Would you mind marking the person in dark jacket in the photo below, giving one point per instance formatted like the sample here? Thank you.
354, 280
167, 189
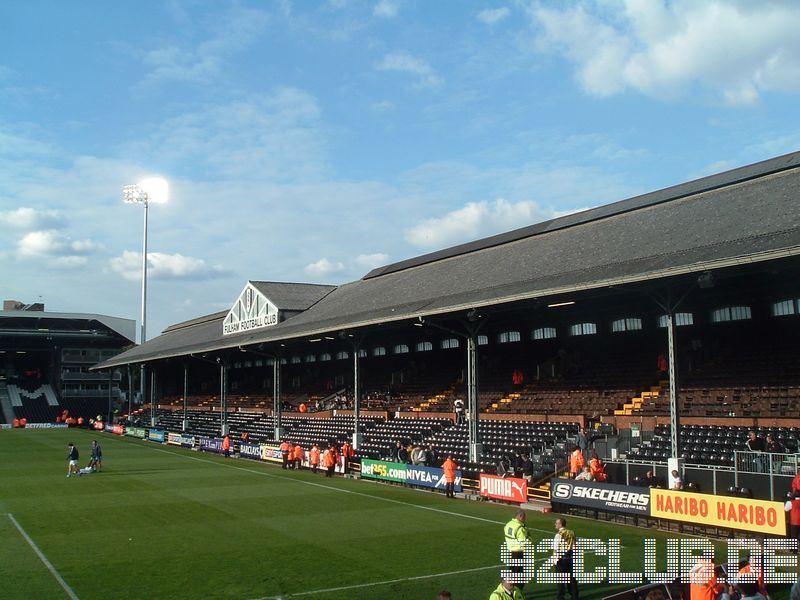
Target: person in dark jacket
400, 453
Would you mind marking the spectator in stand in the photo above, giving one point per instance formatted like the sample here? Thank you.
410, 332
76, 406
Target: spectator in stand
430, 457
418, 455
458, 409
662, 364
773, 445
756, 444
329, 461
677, 481
400, 454
226, 446
303, 408
527, 468
650, 480
517, 464
245, 436
576, 462
73, 456
585, 475
503, 467
449, 467
597, 468
584, 441
298, 455
347, 454
313, 458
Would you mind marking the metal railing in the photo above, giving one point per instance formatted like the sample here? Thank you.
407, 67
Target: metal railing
780, 468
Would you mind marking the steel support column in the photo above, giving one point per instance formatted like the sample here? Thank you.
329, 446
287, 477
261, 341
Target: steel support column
673, 387
276, 396
356, 398
473, 400
185, 397
223, 397
153, 398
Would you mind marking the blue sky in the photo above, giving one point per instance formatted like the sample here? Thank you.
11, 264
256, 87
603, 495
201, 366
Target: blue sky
313, 141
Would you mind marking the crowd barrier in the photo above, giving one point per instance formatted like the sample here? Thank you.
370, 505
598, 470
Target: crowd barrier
416, 475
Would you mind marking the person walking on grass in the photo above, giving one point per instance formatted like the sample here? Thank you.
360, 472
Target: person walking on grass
72, 457
96, 461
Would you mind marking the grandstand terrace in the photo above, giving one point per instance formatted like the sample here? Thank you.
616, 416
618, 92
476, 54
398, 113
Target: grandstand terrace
540, 330
45, 360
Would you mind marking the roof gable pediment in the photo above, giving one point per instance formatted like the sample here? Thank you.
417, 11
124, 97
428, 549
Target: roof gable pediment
252, 310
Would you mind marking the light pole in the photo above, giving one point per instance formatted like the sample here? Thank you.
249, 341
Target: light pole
156, 191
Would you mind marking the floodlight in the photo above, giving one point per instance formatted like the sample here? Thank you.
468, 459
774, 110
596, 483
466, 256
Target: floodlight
148, 191
156, 188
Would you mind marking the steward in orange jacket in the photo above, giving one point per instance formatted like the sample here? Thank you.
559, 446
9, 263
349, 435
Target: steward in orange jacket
347, 454
313, 458
576, 462
298, 456
285, 448
226, 446
449, 467
329, 461
598, 468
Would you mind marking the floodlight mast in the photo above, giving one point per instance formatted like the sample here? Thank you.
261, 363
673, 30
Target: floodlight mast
152, 190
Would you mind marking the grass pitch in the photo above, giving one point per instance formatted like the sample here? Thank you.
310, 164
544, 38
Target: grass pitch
164, 522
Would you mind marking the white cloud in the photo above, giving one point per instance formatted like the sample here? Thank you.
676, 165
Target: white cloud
403, 62
203, 63
491, 16
266, 136
372, 261
386, 9
475, 220
50, 243
740, 49
323, 267
31, 218
163, 266
54, 249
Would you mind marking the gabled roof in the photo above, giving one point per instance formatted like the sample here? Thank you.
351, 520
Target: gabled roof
746, 215
293, 296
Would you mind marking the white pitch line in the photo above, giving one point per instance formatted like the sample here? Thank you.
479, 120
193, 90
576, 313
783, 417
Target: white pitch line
387, 582
43, 558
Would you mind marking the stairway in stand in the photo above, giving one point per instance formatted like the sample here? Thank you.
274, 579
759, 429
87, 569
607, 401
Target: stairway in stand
504, 402
645, 400
437, 403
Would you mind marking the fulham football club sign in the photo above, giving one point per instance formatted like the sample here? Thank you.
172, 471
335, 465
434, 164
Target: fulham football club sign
252, 310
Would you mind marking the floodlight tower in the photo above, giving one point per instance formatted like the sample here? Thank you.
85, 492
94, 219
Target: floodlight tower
156, 191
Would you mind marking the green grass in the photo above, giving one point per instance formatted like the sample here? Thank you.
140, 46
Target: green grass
163, 522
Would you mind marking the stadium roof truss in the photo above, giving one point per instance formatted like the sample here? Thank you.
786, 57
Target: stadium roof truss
746, 216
